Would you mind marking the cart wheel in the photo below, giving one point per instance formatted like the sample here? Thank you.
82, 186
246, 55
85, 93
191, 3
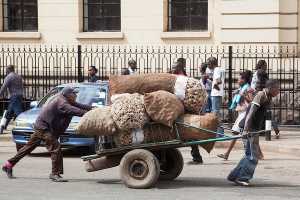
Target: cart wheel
139, 169
173, 165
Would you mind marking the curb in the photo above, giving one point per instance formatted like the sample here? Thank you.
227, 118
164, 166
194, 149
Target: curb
266, 146
5, 137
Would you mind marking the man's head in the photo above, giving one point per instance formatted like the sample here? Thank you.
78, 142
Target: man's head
10, 68
70, 94
132, 64
273, 86
181, 62
92, 70
245, 77
212, 62
261, 64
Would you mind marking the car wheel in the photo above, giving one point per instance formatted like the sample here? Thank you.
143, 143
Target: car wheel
19, 146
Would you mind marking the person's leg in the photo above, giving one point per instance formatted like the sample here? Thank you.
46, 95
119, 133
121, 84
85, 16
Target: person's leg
227, 153
197, 158
17, 105
27, 149
244, 172
53, 146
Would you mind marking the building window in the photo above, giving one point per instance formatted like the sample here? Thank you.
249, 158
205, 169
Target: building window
101, 15
20, 15
188, 15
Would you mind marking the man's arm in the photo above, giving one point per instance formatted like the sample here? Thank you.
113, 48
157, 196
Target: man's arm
68, 109
83, 106
4, 86
249, 117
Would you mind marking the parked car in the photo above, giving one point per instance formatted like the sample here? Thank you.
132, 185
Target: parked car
94, 94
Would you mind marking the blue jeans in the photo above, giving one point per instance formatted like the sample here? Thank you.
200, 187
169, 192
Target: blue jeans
244, 171
216, 102
14, 107
208, 103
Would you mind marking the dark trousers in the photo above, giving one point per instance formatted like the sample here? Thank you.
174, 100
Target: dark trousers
14, 108
196, 153
52, 145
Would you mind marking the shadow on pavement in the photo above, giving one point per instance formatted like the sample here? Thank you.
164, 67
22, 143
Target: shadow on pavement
215, 182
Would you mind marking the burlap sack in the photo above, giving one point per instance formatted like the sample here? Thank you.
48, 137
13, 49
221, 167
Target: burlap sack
97, 122
195, 96
151, 133
158, 133
128, 112
208, 121
141, 83
163, 107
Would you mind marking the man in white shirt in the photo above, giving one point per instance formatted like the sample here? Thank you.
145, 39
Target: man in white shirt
217, 85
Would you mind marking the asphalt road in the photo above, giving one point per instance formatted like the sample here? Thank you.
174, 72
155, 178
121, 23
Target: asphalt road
277, 177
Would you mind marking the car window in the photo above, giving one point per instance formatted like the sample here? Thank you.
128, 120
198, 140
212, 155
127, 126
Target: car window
92, 95
87, 95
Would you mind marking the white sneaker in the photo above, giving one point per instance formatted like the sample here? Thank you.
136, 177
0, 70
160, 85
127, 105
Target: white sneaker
242, 183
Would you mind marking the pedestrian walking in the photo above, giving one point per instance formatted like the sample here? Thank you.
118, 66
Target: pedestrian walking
179, 68
93, 74
218, 83
242, 99
131, 69
206, 80
14, 84
244, 171
52, 121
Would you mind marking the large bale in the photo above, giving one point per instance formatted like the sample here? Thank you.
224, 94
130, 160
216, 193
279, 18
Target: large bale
97, 122
129, 112
195, 96
163, 107
141, 83
208, 121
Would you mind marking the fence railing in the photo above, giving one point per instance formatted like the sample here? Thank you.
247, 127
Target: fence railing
44, 67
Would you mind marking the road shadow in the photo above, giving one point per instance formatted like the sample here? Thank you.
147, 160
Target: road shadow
193, 182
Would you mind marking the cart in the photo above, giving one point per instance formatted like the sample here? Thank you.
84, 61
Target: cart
142, 165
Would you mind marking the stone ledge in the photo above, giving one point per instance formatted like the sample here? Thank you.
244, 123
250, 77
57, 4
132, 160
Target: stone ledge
20, 35
100, 35
185, 35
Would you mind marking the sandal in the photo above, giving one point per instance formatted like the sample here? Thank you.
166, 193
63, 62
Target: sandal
223, 156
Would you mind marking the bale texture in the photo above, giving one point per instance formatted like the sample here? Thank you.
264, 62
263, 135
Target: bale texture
208, 121
163, 107
129, 112
141, 83
97, 122
195, 96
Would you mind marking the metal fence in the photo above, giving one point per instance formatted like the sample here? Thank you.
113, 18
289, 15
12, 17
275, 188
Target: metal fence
44, 67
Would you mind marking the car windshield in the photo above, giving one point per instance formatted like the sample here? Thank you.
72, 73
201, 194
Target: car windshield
93, 95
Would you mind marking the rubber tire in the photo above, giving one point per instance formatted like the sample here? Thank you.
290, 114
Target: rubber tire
153, 168
19, 146
173, 166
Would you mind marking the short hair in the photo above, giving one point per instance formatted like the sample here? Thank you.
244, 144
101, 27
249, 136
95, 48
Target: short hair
181, 60
260, 64
272, 83
10, 68
247, 76
131, 61
94, 68
212, 61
